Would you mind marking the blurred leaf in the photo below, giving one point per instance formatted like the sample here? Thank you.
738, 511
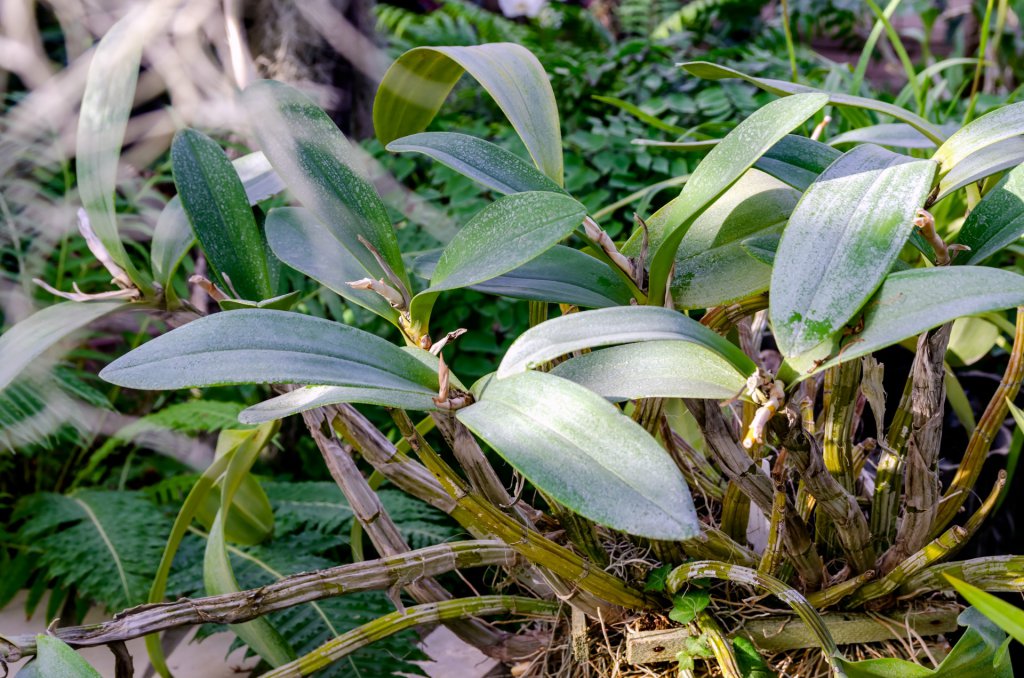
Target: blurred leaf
321, 169
22, 343
895, 134
416, 85
580, 449
480, 160
840, 242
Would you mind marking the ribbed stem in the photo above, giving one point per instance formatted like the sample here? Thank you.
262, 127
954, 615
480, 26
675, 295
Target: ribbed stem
992, 573
720, 645
395, 622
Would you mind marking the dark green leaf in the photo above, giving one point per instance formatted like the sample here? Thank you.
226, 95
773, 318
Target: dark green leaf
686, 606
996, 221
480, 160
561, 275
214, 200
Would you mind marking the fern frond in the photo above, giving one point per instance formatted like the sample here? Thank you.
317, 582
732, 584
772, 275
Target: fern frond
420, 524
316, 506
106, 545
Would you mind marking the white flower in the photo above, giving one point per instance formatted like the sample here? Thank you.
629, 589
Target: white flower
514, 8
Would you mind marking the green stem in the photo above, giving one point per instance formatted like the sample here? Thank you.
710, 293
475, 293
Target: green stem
982, 46
395, 622
790, 49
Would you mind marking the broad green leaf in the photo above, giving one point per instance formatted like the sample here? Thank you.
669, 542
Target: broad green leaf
24, 342
686, 606
980, 653
301, 241
218, 209
481, 161
55, 659
611, 326
416, 85
641, 114
722, 167
578, 448
218, 575
1009, 618
309, 397
561, 275
709, 71
842, 238
911, 302
984, 163
655, 369
106, 107
269, 347
996, 221
173, 235
712, 266
892, 134
501, 237
797, 160
988, 130
320, 167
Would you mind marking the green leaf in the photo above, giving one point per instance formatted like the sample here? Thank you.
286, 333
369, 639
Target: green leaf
308, 397
501, 237
750, 661
301, 241
416, 85
251, 518
970, 341
611, 326
21, 344
1006, 616
561, 275
173, 235
911, 302
655, 369
996, 221
481, 161
656, 578
988, 130
842, 238
269, 347
712, 266
709, 71
722, 167
214, 200
218, 575
581, 450
980, 653
106, 107
797, 160
986, 162
893, 134
55, 659
321, 169
686, 606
